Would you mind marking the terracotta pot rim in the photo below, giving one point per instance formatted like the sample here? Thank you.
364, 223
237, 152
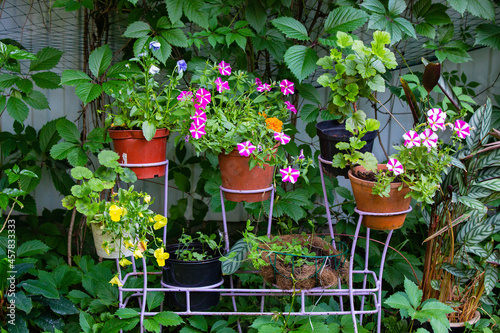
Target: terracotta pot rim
368, 183
123, 134
474, 320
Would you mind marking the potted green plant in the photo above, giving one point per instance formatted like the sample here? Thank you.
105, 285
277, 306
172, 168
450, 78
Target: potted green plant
358, 73
142, 111
194, 262
297, 261
122, 222
240, 119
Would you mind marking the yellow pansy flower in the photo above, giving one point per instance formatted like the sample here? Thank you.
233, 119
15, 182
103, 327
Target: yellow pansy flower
147, 198
106, 249
143, 246
116, 281
137, 254
125, 262
161, 256
140, 215
161, 221
128, 244
115, 212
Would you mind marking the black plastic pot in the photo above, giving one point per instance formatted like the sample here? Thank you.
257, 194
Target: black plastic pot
195, 274
330, 132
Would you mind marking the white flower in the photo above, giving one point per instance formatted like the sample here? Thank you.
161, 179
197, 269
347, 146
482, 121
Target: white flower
153, 70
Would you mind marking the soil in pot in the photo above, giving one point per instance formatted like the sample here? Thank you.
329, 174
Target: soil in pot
330, 132
309, 272
236, 175
133, 148
196, 274
368, 202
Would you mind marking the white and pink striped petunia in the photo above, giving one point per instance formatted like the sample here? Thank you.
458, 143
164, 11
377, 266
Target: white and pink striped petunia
282, 138
203, 97
199, 117
185, 96
224, 68
290, 175
395, 166
258, 81
412, 139
291, 107
436, 112
286, 87
436, 122
429, 138
197, 131
462, 129
221, 85
264, 87
245, 148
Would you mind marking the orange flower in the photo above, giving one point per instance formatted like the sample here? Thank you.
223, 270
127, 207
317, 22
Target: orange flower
263, 114
275, 124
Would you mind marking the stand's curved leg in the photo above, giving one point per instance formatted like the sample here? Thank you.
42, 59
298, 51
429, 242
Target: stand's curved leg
144, 293
379, 282
351, 266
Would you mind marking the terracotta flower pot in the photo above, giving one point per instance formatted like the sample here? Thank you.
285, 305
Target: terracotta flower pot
460, 327
367, 202
133, 148
99, 238
236, 175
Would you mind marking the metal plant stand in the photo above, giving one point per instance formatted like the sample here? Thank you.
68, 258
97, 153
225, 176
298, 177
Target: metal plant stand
351, 291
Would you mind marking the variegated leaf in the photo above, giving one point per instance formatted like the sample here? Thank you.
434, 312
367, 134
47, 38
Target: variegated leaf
456, 162
492, 197
491, 274
473, 203
485, 299
494, 258
492, 184
453, 270
473, 222
468, 261
436, 285
477, 192
494, 220
426, 216
478, 234
234, 258
491, 159
480, 124
477, 250
487, 174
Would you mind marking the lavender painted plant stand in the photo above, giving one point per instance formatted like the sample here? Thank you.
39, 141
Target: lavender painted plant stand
351, 291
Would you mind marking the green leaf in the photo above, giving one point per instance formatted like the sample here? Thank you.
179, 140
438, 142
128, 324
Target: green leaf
37, 287
23, 303
88, 92
47, 80
182, 182
345, 19
99, 60
154, 299
164, 52
478, 234
8, 80
32, 248
174, 8
301, 60
108, 158
168, 319
148, 130
436, 15
373, 6
235, 257
126, 313
256, 15
309, 93
405, 26
396, 7
198, 322
426, 30
46, 58
291, 28
74, 78
399, 301
137, 29
414, 294
491, 276
25, 85
36, 100
17, 109
481, 8
458, 5
61, 150
62, 306
68, 130
175, 37
309, 113
488, 35
344, 193
194, 13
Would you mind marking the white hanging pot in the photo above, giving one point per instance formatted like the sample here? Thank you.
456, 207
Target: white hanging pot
100, 238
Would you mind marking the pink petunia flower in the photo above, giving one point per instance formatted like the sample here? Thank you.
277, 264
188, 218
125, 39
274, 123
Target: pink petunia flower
221, 85
291, 107
429, 138
197, 131
224, 68
203, 97
437, 112
290, 175
185, 96
437, 122
462, 129
395, 166
264, 87
412, 139
258, 81
245, 148
282, 137
199, 118
301, 155
286, 87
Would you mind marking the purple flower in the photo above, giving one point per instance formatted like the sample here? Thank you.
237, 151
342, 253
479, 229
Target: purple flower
155, 46
436, 122
153, 70
199, 117
224, 68
291, 107
264, 87
221, 85
286, 87
395, 166
203, 97
258, 81
282, 138
245, 148
301, 155
436, 112
290, 175
412, 139
462, 129
197, 131
181, 66
185, 96
429, 138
